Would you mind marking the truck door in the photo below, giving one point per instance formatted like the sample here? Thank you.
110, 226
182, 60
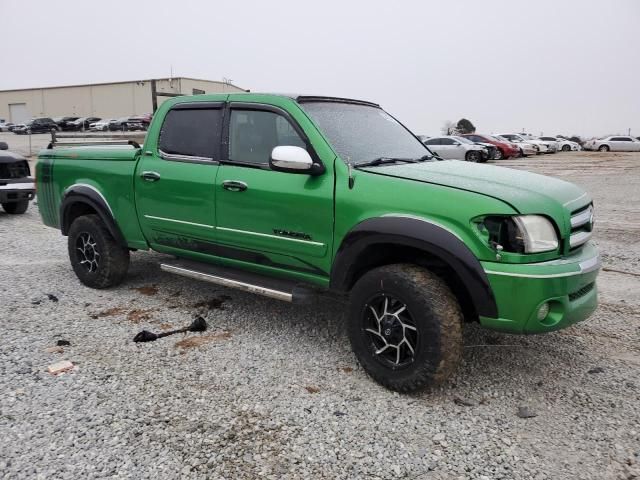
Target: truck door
175, 178
275, 219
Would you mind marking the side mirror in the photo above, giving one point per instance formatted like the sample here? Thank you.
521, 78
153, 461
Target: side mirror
293, 160
4, 146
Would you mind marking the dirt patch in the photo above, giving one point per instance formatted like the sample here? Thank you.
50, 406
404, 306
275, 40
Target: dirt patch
213, 304
110, 312
137, 316
192, 342
312, 389
148, 290
345, 369
165, 326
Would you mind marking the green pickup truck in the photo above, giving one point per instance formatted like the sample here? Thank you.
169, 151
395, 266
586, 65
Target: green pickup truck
285, 195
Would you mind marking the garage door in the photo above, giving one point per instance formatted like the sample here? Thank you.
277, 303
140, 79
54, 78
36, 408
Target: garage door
18, 113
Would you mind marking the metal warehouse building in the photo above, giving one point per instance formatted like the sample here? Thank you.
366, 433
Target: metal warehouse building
105, 100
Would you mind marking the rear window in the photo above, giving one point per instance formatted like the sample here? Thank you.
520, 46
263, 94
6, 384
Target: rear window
192, 132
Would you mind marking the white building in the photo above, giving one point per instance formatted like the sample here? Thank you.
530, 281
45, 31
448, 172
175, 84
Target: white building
104, 100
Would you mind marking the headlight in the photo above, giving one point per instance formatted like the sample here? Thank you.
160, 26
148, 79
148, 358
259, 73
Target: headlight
520, 234
538, 233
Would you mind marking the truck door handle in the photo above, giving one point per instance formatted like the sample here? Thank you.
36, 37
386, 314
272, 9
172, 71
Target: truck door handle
150, 176
234, 186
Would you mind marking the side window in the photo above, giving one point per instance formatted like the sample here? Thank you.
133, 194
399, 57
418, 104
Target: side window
253, 134
191, 132
447, 141
433, 141
620, 139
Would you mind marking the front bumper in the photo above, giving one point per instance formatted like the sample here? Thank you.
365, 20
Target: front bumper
568, 285
17, 190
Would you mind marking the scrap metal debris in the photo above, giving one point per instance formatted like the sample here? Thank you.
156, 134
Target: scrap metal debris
52, 297
198, 325
526, 412
463, 402
60, 367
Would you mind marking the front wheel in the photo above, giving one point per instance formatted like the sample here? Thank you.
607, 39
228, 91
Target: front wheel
16, 208
566, 148
97, 259
603, 148
498, 155
405, 327
473, 156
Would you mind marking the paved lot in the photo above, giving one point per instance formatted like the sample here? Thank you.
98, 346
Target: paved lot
273, 390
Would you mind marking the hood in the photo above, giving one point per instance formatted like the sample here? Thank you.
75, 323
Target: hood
9, 157
526, 192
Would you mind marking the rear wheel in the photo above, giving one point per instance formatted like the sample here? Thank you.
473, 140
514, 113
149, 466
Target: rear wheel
473, 156
405, 327
16, 208
96, 258
603, 148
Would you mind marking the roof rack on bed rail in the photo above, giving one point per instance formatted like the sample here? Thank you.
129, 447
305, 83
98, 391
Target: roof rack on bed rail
89, 139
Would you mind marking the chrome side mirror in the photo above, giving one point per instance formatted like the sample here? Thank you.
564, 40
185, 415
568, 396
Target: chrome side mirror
292, 159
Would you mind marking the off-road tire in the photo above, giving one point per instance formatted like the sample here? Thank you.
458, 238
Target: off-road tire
435, 312
603, 148
498, 155
113, 258
16, 208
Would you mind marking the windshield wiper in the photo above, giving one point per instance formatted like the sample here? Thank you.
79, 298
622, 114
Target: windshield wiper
383, 161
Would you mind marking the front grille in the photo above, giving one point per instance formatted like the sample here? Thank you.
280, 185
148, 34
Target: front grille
582, 292
14, 170
581, 227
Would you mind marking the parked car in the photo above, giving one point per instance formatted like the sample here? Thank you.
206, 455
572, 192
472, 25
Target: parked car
6, 126
452, 148
82, 123
118, 124
614, 143
136, 124
563, 144
101, 125
17, 186
61, 121
551, 144
504, 148
541, 147
526, 149
36, 125
462, 242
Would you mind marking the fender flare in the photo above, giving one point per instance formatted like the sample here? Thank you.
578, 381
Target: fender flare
89, 195
424, 235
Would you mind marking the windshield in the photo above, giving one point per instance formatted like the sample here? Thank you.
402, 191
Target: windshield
361, 133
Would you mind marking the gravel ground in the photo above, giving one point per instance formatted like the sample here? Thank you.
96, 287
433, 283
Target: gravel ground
272, 390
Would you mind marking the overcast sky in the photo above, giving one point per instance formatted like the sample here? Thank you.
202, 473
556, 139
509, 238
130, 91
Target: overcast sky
558, 67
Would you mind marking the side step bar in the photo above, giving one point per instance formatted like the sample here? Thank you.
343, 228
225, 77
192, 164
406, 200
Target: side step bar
279, 289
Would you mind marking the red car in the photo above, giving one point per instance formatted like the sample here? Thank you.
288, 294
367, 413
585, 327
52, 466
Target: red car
505, 149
